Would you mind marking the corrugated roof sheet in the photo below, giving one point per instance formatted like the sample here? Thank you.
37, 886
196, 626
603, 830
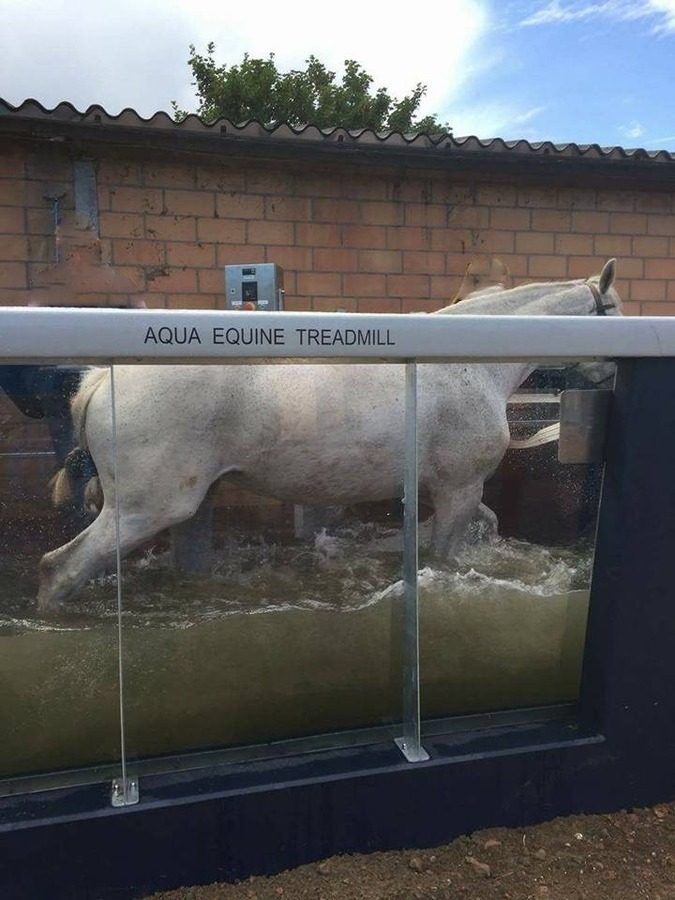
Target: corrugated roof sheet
193, 124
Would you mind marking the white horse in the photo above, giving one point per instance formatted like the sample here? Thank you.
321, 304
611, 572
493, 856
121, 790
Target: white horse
308, 434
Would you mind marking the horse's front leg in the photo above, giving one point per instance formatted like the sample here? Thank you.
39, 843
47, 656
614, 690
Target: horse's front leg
454, 511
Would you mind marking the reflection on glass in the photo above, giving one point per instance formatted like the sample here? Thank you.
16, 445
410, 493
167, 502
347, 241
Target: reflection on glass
58, 668
258, 601
504, 626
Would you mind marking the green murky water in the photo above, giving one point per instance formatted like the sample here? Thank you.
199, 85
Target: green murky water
280, 642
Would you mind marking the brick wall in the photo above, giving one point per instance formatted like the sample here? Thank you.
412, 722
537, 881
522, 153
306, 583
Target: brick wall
349, 237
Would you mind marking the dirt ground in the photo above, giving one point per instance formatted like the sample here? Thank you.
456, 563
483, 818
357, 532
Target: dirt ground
618, 856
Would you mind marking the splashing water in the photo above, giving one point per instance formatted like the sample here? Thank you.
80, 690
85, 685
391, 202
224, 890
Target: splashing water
345, 569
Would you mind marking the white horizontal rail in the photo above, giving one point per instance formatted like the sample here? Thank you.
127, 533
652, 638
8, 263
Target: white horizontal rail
106, 335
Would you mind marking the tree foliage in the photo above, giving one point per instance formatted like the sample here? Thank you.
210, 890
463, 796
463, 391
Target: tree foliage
256, 89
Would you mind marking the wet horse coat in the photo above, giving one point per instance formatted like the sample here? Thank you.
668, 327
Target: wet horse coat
309, 434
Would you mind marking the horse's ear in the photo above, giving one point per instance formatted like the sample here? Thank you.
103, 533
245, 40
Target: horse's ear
607, 276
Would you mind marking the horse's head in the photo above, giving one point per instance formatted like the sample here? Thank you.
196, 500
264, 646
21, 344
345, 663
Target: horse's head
607, 301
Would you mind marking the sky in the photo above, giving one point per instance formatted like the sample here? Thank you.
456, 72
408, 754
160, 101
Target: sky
542, 70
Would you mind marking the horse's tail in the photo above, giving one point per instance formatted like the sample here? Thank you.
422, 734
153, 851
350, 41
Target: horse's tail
61, 486
543, 436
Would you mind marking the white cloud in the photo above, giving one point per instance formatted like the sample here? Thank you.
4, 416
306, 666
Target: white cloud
498, 119
661, 12
125, 53
632, 130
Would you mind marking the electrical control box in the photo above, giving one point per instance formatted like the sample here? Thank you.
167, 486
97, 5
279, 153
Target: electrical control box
254, 286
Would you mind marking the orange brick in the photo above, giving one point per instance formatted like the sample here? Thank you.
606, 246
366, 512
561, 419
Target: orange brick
189, 203
414, 191
12, 192
332, 210
616, 201
137, 252
315, 235
13, 297
533, 242
128, 225
660, 268
220, 231
13, 275
419, 306
38, 221
408, 286
590, 222
517, 263
240, 206
443, 287
332, 260
577, 198
423, 263
667, 308
498, 241
135, 200
12, 220
408, 238
380, 261
170, 176
496, 195
629, 267
288, 209
335, 304
211, 281
382, 213
365, 285
612, 245
651, 246
12, 165
175, 281
657, 224
372, 237
670, 291
380, 305
547, 267
574, 244
192, 301
510, 219
14, 247
645, 290
537, 198
656, 202
551, 220
171, 228
455, 240
297, 304
238, 254
311, 283
583, 266
469, 217
197, 255
628, 223
428, 215
291, 258
365, 187
319, 185
261, 180
271, 232
116, 171
221, 179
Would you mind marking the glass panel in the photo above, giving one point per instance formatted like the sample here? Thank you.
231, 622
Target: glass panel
58, 668
502, 626
262, 580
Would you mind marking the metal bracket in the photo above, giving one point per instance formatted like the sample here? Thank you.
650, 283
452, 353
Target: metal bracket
583, 425
413, 753
124, 792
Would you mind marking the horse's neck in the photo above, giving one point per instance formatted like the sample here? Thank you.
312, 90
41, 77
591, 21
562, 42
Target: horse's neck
508, 377
561, 298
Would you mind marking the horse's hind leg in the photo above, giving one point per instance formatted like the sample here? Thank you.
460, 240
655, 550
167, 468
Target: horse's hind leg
93, 551
64, 570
